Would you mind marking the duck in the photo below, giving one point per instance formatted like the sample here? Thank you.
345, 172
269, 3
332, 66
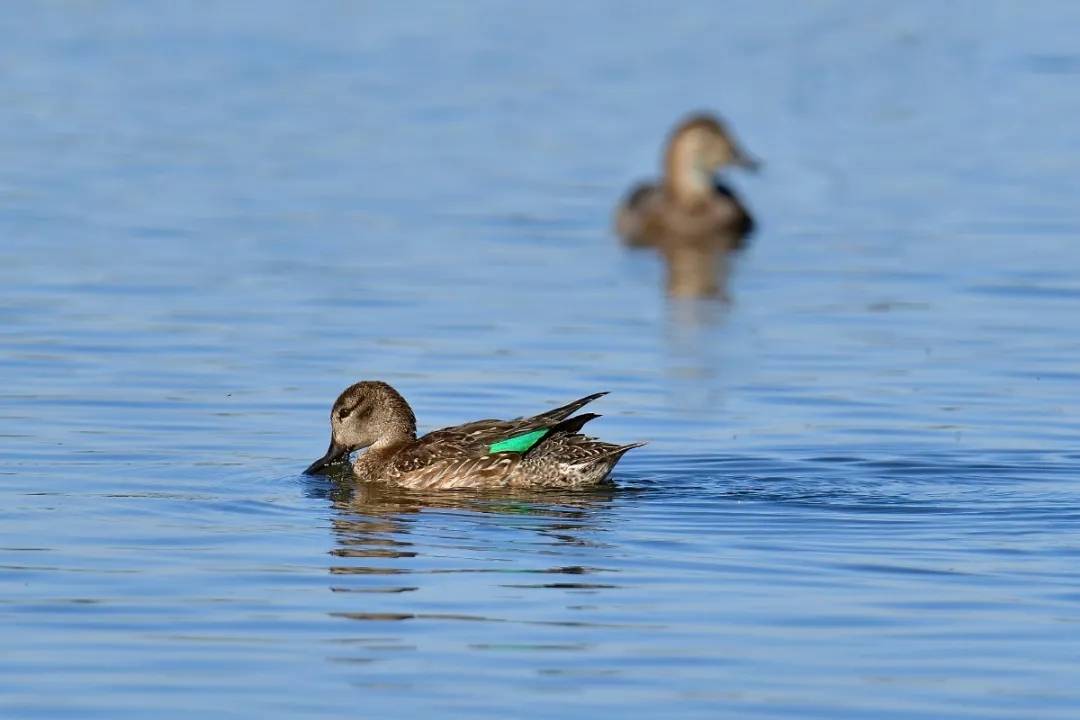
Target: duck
691, 216
537, 452
689, 200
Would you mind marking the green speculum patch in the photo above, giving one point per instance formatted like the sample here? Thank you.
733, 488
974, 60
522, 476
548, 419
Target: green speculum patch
520, 443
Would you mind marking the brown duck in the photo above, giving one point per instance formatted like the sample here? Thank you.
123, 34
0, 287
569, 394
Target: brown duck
693, 218
542, 451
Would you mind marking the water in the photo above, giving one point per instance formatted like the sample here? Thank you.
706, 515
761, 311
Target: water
860, 497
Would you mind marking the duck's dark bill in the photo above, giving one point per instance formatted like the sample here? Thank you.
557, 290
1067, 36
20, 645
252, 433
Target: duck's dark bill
746, 161
334, 452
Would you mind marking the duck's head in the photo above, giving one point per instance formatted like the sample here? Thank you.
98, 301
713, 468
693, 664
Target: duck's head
699, 147
366, 414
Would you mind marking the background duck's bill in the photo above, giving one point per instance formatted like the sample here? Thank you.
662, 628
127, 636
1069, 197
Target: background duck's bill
745, 160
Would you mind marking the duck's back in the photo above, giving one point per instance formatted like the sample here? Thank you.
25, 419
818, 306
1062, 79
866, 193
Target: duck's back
632, 213
650, 217
543, 450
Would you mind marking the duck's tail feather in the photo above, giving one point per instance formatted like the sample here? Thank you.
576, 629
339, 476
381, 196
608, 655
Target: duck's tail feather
573, 424
614, 453
569, 426
561, 413
638, 193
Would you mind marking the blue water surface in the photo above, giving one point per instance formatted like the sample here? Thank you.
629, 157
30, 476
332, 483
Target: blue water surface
861, 496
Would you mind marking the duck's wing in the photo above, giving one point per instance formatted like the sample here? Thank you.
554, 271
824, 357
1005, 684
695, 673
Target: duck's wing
631, 217
638, 194
743, 224
480, 434
561, 413
484, 453
471, 435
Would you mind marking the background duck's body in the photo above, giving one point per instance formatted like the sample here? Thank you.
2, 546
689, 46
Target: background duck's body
651, 217
691, 217
543, 451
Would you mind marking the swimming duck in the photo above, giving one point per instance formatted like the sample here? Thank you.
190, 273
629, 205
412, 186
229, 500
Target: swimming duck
690, 205
543, 451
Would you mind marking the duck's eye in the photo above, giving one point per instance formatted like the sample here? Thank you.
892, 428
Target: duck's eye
359, 409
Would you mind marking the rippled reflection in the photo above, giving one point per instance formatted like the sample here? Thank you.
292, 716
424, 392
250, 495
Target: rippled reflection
695, 352
378, 552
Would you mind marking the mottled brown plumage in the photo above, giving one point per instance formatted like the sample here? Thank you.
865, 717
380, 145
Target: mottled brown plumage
375, 416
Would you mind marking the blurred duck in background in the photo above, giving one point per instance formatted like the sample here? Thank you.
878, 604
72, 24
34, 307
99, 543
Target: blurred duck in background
690, 216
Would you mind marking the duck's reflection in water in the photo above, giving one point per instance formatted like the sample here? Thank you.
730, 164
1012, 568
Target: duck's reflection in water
697, 270
390, 541
696, 353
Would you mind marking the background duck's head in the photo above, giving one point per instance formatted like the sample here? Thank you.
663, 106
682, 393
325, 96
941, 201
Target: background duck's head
699, 147
367, 413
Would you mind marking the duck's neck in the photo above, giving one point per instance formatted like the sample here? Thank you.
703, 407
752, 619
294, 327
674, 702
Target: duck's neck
400, 425
686, 180
370, 463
